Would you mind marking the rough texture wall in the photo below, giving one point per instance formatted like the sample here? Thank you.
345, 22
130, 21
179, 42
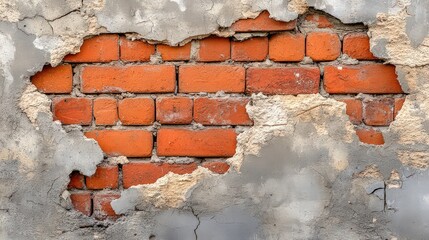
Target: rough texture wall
299, 172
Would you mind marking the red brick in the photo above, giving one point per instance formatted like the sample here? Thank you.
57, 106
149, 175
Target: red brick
104, 177
320, 21
133, 51
214, 49
370, 136
130, 143
285, 80
378, 112
57, 79
217, 167
137, 111
322, 46
254, 49
287, 47
175, 53
211, 78
72, 110
174, 110
370, 78
354, 110
262, 23
82, 202
136, 173
102, 208
399, 102
196, 143
76, 180
102, 48
134, 78
105, 111
356, 45
226, 111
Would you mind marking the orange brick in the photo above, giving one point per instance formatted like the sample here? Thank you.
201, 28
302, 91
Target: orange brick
320, 21
133, 51
378, 112
76, 180
72, 110
134, 78
175, 53
196, 143
211, 78
217, 167
104, 177
285, 80
356, 45
57, 79
105, 111
130, 143
370, 78
399, 102
370, 136
287, 47
227, 111
137, 111
82, 202
262, 23
254, 49
102, 208
354, 110
102, 48
214, 49
322, 46
174, 110
136, 173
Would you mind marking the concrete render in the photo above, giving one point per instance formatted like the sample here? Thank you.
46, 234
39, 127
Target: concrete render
299, 172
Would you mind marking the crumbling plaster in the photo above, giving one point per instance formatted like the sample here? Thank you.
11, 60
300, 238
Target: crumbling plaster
299, 172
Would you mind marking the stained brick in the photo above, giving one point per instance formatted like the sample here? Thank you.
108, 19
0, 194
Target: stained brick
354, 110
82, 202
254, 49
370, 136
104, 177
217, 167
102, 208
378, 112
174, 110
323, 46
72, 110
221, 111
214, 49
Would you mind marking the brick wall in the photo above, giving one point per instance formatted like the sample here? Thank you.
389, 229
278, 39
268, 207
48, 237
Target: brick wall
143, 100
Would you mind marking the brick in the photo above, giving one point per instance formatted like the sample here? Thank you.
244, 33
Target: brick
263, 22
214, 49
175, 53
378, 112
174, 110
137, 111
254, 49
136, 173
370, 136
226, 111
134, 78
102, 48
134, 51
356, 45
287, 47
102, 208
399, 102
129, 143
285, 80
320, 21
322, 46
81, 202
72, 110
105, 111
76, 181
217, 167
104, 177
57, 79
354, 110
369, 78
211, 78
196, 143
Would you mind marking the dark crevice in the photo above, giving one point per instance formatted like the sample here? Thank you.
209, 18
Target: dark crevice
199, 222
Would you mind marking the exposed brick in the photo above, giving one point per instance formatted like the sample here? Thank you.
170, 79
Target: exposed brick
370, 78
104, 177
102, 48
76, 181
72, 110
323, 46
174, 110
133, 51
320, 21
57, 79
214, 49
196, 143
135, 173
137, 79
254, 49
221, 111
378, 112
354, 110
287, 47
399, 102
262, 23
105, 111
82, 202
211, 78
130, 143
370, 136
137, 111
356, 45
102, 208
285, 80
217, 167
175, 53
